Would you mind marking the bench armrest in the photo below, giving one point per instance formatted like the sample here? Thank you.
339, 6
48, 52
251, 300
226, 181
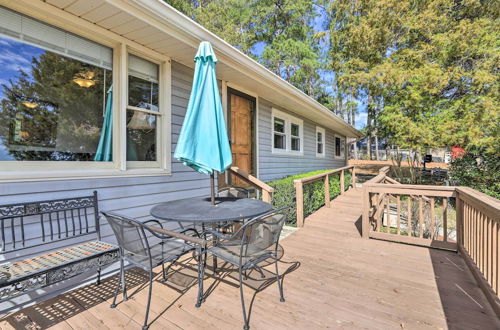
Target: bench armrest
170, 233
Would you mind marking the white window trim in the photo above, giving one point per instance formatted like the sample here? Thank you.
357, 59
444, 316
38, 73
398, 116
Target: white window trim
289, 119
342, 154
323, 139
17, 171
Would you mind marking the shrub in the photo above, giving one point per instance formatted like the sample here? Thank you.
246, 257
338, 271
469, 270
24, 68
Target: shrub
314, 193
477, 170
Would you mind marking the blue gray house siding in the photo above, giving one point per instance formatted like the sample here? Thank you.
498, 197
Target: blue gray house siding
133, 196
274, 166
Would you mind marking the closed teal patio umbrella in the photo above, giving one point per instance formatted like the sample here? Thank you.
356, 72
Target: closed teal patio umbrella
203, 142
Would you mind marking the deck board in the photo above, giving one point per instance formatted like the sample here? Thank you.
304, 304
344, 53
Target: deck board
342, 281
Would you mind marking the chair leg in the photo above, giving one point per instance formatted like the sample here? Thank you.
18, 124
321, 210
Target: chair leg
98, 281
201, 276
145, 326
280, 282
124, 282
246, 326
118, 284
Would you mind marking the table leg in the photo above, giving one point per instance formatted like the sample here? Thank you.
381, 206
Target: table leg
214, 239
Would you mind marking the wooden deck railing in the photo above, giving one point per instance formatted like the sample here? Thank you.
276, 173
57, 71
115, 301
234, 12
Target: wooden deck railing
456, 218
299, 188
265, 189
478, 221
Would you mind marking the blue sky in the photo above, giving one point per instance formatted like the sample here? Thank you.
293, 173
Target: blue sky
15, 56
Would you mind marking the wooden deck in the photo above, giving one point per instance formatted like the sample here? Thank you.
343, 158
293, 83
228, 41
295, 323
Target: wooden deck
335, 280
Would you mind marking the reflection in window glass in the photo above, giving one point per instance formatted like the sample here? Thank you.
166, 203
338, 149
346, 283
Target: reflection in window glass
51, 106
337, 146
279, 134
142, 93
319, 141
295, 139
279, 125
141, 136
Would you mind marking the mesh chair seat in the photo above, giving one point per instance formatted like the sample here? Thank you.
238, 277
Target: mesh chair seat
231, 254
160, 253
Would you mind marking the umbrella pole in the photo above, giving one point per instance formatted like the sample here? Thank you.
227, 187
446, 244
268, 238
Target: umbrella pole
212, 188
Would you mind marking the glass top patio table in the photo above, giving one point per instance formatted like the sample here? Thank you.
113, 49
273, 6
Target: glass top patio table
200, 210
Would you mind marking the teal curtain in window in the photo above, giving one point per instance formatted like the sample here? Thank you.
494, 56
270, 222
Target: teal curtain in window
105, 148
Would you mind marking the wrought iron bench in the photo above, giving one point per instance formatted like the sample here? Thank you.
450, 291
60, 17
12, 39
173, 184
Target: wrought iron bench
39, 224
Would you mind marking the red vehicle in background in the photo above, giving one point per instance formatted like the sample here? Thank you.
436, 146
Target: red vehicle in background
457, 152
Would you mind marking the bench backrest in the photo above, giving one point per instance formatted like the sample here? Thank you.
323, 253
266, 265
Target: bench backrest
26, 225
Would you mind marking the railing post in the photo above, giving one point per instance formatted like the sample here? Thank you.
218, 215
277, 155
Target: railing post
299, 200
353, 177
266, 196
459, 217
342, 182
327, 190
365, 224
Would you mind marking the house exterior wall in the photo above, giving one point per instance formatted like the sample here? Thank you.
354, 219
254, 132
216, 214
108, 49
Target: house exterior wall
132, 196
275, 166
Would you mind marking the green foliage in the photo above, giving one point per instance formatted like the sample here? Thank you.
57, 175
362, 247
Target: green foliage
429, 68
477, 170
279, 34
314, 193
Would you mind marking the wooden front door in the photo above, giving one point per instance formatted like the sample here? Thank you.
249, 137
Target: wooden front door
242, 110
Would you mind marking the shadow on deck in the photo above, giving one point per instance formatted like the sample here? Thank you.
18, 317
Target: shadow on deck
343, 281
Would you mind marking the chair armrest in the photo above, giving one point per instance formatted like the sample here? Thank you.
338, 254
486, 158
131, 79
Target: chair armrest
218, 234
155, 221
187, 238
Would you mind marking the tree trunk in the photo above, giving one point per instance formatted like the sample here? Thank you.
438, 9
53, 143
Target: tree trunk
376, 145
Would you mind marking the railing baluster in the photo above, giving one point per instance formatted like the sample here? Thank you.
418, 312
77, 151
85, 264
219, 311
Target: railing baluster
421, 216
51, 229
80, 220
43, 227
398, 213
65, 223
342, 182
388, 210
86, 218
433, 218
58, 225
496, 276
326, 182
445, 219
13, 230
3, 235
22, 231
487, 254
409, 216
378, 213
72, 221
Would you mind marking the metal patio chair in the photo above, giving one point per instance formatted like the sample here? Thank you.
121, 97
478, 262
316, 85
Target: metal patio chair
253, 243
137, 249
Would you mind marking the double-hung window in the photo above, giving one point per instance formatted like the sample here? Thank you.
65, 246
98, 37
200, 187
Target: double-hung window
320, 142
287, 133
142, 110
